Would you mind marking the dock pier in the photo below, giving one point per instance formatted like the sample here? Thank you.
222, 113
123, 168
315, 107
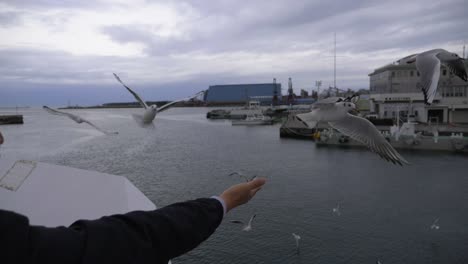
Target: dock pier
11, 119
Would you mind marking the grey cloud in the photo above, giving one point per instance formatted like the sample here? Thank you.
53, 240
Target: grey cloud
10, 19
387, 30
46, 4
262, 26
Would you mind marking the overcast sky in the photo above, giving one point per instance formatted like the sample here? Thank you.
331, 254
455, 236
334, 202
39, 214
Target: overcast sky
54, 51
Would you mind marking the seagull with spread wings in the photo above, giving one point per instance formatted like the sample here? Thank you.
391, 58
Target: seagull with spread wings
335, 111
435, 224
77, 119
247, 227
428, 64
151, 111
297, 238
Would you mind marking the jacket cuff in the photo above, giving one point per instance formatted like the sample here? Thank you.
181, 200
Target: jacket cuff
223, 203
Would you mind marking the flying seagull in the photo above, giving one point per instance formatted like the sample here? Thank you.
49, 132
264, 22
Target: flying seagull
428, 64
297, 238
151, 111
240, 174
335, 111
77, 119
435, 224
247, 227
336, 210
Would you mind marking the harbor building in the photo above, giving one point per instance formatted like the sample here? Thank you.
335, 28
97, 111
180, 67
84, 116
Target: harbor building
394, 92
265, 93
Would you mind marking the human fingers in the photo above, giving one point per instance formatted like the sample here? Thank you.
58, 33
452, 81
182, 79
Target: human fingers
256, 183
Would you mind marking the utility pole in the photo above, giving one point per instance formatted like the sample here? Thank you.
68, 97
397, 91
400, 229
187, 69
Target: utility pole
275, 93
290, 91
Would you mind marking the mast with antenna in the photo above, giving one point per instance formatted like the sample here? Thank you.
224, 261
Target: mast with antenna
334, 64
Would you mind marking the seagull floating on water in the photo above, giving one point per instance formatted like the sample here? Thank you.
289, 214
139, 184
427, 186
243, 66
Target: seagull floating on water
247, 227
435, 224
428, 64
151, 111
243, 176
335, 111
77, 119
297, 238
336, 210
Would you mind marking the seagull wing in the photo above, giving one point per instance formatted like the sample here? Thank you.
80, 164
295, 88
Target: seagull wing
428, 66
364, 131
457, 67
309, 119
139, 99
98, 128
236, 221
166, 106
61, 113
251, 219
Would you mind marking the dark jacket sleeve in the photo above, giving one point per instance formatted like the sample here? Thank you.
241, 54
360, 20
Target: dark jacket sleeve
136, 237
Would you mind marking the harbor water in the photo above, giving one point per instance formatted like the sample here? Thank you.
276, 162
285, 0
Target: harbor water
386, 210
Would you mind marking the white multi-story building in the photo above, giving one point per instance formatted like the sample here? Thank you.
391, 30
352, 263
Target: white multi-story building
394, 91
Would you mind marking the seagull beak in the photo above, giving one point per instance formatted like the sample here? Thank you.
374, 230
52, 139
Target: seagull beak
354, 111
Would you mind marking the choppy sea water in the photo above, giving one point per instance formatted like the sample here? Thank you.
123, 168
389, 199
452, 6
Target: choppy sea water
386, 210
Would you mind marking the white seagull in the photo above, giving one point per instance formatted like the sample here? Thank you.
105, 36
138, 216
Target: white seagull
151, 111
336, 210
243, 176
297, 238
435, 224
428, 64
77, 119
247, 227
335, 111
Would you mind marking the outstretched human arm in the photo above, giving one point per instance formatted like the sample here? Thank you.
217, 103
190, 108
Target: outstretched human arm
136, 237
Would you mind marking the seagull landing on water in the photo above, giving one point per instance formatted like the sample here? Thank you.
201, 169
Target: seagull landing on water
435, 224
428, 64
247, 227
336, 210
243, 176
151, 111
335, 111
297, 238
77, 119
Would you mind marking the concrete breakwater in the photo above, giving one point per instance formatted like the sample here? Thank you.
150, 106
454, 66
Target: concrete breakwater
11, 119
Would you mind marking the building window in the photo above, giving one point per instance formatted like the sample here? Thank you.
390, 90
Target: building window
393, 74
417, 73
411, 73
385, 113
393, 113
416, 113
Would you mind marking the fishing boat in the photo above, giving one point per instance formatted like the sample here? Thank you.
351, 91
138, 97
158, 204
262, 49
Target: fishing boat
404, 137
254, 120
